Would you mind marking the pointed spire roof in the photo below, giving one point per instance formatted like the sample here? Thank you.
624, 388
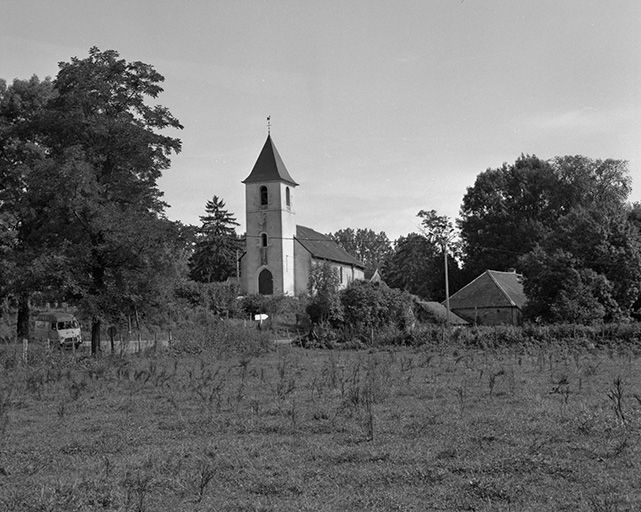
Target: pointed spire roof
269, 166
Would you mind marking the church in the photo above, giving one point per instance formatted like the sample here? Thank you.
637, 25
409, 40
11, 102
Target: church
279, 254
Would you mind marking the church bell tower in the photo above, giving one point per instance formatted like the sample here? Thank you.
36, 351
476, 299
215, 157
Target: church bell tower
268, 263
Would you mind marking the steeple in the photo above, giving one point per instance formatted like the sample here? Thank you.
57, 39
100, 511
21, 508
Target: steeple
269, 166
268, 263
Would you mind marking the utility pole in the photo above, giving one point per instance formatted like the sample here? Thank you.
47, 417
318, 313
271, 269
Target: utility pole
447, 287
439, 230
237, 268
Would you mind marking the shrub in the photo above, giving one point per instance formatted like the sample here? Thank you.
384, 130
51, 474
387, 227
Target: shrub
370, 306
280, 308
253, 304
221, 298
324, 302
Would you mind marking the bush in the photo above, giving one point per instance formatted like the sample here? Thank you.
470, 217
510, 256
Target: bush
253, 304
280, 308
369, 306
324, 303
221, 298
361, 314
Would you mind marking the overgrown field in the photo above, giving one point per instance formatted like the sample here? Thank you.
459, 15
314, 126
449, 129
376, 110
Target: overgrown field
425, 428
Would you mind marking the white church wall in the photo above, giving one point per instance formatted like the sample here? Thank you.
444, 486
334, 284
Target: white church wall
288, 223
302, 268
277, 221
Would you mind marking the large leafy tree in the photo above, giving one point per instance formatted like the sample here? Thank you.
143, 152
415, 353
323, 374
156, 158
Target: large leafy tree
366, 245
108, 147
217, 245
565, 224
594, 240
511, 209
634, 215
587, 270
25, 264
506, 213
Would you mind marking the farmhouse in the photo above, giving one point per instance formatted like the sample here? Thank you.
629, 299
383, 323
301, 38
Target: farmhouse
493, 298
279, 254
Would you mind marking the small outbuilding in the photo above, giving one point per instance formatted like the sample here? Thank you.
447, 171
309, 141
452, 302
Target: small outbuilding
435, 312
493, 298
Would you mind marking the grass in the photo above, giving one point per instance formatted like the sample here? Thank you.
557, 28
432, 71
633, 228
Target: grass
427, 428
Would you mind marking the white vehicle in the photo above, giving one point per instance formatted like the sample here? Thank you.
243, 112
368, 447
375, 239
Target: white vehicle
59, 329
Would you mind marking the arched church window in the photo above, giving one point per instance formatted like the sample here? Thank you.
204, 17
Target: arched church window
263, 195
263, 240
287, 197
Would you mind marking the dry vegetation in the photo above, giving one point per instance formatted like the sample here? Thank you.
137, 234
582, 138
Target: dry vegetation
427, 428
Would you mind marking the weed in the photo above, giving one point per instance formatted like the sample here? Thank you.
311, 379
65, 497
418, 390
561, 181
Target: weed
205, 474
61, 409
607, 503
492, 379
137, 485
34, 382
460, 395
369, 413
293, 415
407, 363
616, 397
76, 388
488, 450
5, 405
240, 393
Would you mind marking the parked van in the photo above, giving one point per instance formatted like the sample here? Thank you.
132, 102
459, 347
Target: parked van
61, 329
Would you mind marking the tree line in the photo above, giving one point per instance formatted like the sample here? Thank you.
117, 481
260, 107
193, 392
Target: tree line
82, 218
565, 224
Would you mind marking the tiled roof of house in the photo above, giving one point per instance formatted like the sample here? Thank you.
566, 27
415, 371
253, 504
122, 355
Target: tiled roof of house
491, 289
269, 166
323, 247
512, 284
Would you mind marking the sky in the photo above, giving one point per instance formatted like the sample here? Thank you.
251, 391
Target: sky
379, 109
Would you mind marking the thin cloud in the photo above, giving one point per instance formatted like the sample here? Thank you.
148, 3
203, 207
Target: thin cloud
585, 119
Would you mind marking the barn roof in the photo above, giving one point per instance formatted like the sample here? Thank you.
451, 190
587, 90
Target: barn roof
269, 166
491, 289
323, 247
436, 311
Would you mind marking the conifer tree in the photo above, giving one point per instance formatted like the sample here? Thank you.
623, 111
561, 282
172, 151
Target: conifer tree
217, 244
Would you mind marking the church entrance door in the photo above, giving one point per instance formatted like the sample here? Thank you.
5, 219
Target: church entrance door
265, 282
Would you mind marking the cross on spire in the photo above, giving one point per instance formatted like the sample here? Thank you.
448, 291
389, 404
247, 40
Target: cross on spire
269, 125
